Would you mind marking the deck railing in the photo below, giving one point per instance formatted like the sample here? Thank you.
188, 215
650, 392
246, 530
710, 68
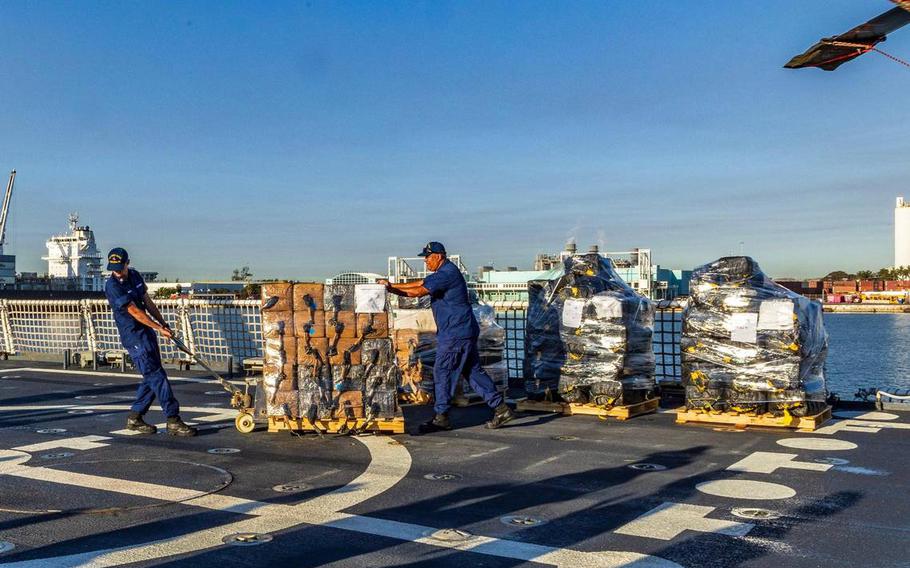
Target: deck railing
231, 330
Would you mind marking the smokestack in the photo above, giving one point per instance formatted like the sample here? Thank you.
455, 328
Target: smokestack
594, 249
570, 247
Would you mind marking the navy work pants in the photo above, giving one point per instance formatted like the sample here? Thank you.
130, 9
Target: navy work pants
455, 359
146, 357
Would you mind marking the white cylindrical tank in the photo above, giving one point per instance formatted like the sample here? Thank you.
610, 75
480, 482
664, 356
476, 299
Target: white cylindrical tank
902, 232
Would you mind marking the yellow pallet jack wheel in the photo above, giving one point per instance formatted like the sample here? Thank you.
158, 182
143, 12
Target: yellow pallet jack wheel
245, 423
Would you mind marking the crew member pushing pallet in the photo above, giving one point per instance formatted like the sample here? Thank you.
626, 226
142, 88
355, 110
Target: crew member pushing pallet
456, 355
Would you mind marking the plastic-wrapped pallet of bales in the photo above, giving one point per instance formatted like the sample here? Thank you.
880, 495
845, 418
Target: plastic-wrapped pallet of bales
750, 345
328, 356
415, 342
589, 336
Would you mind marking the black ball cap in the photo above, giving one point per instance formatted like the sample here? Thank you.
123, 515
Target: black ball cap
431, 248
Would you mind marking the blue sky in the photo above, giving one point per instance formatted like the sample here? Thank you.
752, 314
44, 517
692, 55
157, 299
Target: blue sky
303, 139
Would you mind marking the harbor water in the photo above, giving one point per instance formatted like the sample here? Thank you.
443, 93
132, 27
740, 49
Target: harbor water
868, 350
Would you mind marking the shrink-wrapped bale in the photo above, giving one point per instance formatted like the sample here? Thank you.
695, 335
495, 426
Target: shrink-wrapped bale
545, 351
341, 323
589, 336
381, 379
283, 291
373, 325
344, 352
415, 338
751, 345
279, 349
277, 324
308, 296
314, 367
338, 297
310, 322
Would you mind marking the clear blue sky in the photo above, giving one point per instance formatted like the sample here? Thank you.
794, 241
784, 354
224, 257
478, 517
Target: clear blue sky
307, 138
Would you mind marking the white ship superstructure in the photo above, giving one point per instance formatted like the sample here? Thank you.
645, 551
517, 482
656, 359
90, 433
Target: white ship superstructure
75, 256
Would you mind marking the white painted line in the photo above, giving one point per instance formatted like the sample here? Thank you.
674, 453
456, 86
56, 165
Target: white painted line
746, 489
550, 459
865, 415
12, 459
769, 462
150, 490
821, 444
489, 452
80, 443
669, 520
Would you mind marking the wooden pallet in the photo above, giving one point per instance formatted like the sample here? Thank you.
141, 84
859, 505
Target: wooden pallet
623, 412
742, 421
280, 423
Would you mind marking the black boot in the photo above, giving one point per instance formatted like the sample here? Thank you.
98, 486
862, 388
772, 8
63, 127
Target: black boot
439, 423
176, 427
135, 423
501, 415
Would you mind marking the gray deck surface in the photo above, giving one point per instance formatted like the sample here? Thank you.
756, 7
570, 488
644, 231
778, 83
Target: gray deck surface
94, 496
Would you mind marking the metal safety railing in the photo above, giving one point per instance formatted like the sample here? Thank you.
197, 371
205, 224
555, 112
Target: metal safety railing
512, 315
217, 330
231, 330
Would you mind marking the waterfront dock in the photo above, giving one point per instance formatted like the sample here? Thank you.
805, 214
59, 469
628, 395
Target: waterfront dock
866, 308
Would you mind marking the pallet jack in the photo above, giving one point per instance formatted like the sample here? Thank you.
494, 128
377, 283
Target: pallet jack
242, 400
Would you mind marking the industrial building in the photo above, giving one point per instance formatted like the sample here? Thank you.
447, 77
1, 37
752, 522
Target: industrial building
901, 232
634, 267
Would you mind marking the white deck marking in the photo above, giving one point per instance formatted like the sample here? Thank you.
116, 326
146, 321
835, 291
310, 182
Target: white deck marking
769, 462
746, 489
669, 520
821, 444
389, 465
866, 415
864, 426
80, 443
488, 452
150, 490
11, 459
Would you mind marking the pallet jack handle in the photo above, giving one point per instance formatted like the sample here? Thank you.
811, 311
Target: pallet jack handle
239, 398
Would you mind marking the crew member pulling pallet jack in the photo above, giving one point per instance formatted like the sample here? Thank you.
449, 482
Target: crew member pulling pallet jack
137, 318
457, 333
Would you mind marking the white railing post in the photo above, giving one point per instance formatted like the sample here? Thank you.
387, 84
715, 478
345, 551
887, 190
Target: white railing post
184, 326
88, 325
9, 346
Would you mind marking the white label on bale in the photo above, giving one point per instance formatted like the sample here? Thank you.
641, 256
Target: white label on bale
572, 312
607, 307
744, 327
775, 315
369, 298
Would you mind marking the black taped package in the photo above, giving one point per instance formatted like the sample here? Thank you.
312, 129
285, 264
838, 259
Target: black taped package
750, 345
589, 336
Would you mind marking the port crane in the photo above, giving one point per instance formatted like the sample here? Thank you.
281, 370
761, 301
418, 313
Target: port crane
832, 52
5, 211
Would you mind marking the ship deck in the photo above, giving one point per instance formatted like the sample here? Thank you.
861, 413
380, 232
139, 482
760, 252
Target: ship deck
77, 490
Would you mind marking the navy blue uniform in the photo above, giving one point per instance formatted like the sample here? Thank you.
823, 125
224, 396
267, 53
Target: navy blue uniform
457, 331
141, 342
